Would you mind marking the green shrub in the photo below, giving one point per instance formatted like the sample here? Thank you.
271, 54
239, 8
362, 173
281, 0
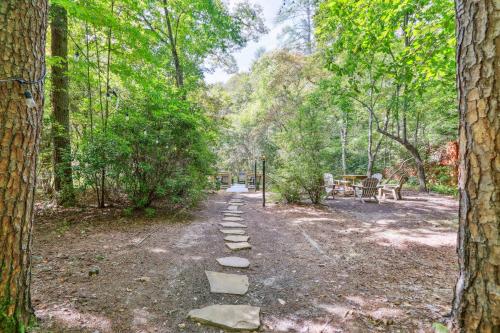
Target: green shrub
150, 212
127, 212
303, 155
152, 152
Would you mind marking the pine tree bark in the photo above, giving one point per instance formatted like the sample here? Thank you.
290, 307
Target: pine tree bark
22, 55
63, 179
476, 304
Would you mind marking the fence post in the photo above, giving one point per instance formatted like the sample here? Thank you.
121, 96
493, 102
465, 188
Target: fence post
263, 181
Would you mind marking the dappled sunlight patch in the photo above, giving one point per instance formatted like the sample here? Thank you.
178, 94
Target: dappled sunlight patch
196, 258
386, 313
386, 222
309, 220
68, 316
141, 317
191, 236
356, 300
337, 310
156, 250
294, 324
400, 238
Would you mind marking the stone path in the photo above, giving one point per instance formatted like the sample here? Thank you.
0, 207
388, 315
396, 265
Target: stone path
233, 231
232, 317
235, 262
237, 188
237, 238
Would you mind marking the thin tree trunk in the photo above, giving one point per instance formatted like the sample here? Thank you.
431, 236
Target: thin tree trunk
476, 304
343, 142
108, 66
310, 28
89, 88
22, 36
369, 168
63, 179
179, 76
101, 180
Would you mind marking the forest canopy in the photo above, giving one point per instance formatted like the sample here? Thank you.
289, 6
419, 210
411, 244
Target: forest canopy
376, 94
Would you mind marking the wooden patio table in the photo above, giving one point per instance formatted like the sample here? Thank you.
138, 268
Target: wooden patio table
349, 180
353, 178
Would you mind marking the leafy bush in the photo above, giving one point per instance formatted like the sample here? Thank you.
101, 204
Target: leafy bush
166, 157
286, 186
152, 153
150, 212
303, 154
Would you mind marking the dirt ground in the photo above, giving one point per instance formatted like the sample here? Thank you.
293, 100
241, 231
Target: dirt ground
342, 267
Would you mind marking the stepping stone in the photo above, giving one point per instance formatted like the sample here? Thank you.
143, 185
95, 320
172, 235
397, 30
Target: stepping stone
233, 218
236, 203
235, 262
238, 212
232, 208
232, 225
236, 238
231, 317
231, 214
239, 246
223, 283
232, 231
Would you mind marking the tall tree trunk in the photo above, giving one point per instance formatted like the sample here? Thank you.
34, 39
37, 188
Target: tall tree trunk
100, 176
343, 143
179, 75
22, 46
369, 168
310, 28
476, 304
63, 180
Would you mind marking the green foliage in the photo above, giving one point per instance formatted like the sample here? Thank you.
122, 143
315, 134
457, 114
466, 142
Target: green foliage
150, 212
127, 212
303, 151
135, 130
444, 189
380, 84
439, 328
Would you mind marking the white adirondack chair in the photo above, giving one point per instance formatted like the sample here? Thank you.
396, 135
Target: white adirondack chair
329, 185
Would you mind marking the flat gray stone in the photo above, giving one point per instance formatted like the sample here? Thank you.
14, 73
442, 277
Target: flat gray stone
236, 212
232, 208
236, 203
232, 225
232, 231
232, 214
232, 317
239, 246
223, 283
236, 238
236, 262
233, 218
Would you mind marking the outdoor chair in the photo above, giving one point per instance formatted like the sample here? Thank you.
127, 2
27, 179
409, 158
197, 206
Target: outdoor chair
329, 185
394, 190
367, 190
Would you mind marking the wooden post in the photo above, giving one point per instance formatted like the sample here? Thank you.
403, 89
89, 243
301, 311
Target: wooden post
263, 181
255, 175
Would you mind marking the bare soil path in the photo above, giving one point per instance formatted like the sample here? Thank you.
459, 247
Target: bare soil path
344, 267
